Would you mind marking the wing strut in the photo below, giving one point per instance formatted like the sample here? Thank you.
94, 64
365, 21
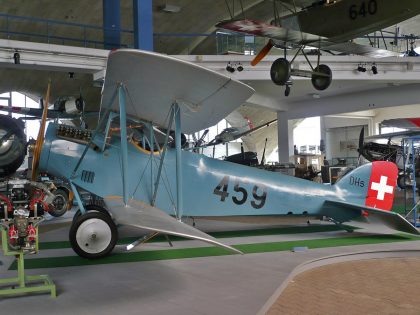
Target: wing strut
124, 146
179, 200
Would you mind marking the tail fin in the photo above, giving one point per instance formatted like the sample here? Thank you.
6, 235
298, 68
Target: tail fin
368, 194
371, 185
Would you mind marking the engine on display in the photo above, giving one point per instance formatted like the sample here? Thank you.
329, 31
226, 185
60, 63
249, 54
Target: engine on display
22, 206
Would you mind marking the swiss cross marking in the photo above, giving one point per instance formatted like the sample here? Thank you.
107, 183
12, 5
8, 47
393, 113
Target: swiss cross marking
382, 188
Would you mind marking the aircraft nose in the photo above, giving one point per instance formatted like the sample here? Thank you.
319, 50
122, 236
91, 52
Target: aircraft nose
45, 152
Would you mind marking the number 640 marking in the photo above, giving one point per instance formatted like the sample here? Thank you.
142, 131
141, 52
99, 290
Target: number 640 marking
239, 199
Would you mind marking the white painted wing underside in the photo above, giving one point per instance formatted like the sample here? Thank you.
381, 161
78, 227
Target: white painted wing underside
155, 81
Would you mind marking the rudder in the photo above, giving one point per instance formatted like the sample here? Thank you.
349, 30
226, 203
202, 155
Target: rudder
371, 185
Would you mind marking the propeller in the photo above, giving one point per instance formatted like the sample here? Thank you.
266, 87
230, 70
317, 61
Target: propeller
40, 139
263, 52
199, 142
361, 141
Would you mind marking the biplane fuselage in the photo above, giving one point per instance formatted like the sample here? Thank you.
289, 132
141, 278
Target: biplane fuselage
347, 19
211, 187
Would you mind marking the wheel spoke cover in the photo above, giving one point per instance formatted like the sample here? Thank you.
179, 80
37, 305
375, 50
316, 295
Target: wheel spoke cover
93, 236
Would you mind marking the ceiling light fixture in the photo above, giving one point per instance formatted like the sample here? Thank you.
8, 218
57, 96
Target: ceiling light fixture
361, 68
16, 57
229, 68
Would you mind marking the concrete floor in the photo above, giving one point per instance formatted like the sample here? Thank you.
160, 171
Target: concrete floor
236, 284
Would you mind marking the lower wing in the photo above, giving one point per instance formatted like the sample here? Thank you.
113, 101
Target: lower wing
139, 214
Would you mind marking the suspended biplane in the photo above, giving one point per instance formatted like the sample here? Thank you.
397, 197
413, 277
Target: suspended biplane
146, 183
328, 25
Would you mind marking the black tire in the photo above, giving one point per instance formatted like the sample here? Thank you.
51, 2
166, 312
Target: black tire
90, 208
401, 181
280, 71
60, 202
321, 82
12, 152
93, 235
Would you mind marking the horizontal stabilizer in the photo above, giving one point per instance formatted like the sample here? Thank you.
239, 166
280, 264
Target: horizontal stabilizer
139, 214
342, 211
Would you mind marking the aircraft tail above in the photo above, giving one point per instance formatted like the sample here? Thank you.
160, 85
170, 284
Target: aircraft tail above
144, 216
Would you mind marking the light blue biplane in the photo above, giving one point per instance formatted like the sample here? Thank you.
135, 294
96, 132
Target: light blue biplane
148, 181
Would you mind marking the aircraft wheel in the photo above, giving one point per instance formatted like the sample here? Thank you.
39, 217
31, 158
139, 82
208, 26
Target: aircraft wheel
401, 181
60, 203
90, 208
280, 71
13, 150
93, 235
321, 82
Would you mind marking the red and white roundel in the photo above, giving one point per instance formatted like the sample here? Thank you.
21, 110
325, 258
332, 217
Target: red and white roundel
383, 180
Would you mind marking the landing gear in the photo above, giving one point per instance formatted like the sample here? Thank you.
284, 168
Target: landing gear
322, 80
287, 89
280, 71
93, 235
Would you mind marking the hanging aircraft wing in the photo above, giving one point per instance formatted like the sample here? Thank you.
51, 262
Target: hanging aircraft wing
404, 123
356, 49
343, 211
291, 36
155, 81
393, 135
257, 28
144, 216
299, 3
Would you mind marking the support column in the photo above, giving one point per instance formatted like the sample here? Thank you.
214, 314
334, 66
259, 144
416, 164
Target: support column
143, 24
111, 23
283, 137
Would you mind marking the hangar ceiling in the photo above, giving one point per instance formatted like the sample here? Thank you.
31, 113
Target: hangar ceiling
194, 17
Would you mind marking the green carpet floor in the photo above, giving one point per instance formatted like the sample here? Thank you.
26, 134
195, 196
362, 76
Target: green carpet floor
182, 253
316, 228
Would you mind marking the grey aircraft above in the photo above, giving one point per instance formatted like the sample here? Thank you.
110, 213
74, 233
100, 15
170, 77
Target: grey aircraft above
325, 25
233, 133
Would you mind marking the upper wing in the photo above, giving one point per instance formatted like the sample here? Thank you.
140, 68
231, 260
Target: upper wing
154, 82
343, 211
144, 216
290, 36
